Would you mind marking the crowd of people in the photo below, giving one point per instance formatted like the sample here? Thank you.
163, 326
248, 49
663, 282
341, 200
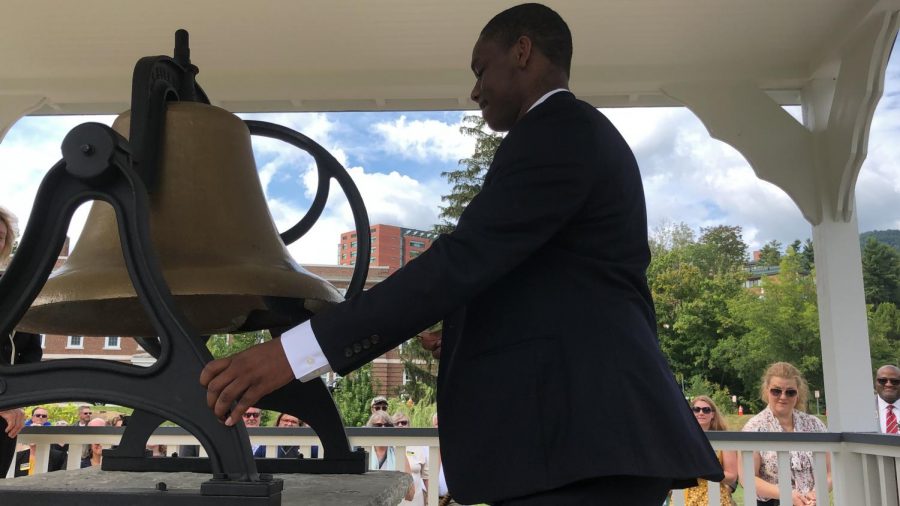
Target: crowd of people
784, 392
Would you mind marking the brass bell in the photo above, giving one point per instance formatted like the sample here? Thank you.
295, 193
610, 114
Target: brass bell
218, 247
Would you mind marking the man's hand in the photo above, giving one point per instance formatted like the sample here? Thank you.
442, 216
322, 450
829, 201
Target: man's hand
15, 420
432, 343
245, 378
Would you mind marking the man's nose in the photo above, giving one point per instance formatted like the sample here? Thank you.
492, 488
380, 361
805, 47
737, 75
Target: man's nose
475, 93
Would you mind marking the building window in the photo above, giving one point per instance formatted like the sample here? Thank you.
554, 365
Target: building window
371, 260
352, 254
414, 254
75, 342
43, 341
353, 244
417, 244
343, 256
112, 343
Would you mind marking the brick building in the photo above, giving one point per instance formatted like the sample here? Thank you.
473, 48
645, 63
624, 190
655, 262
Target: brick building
392, 246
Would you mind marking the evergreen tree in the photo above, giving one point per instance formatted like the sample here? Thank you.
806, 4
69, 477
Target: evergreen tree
884, 334
421, 371
881, 272
353, 395
808, 256
770, 254
466, 180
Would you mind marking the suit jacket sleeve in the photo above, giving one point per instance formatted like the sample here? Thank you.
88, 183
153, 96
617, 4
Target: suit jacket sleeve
539, 179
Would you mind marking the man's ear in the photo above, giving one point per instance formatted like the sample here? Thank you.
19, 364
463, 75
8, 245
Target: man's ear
523, 51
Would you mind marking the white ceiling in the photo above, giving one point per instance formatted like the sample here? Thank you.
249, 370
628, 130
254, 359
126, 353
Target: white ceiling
266, 55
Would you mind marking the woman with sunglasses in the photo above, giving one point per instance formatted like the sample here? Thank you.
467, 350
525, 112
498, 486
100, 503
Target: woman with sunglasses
707, 414
785, 392
417, 458
382, 458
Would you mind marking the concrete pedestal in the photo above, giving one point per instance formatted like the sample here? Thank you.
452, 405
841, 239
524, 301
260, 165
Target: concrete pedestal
91, 486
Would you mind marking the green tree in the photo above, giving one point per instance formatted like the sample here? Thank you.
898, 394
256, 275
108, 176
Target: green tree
884, 334
692, 282
353, 394
808, 256
777, 322
467, 179
881, 272
421, 371
721, 249
770, 254
225, 345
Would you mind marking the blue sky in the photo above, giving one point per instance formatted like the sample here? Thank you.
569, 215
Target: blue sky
396, 160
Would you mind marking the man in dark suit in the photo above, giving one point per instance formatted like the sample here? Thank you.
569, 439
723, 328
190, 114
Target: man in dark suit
544, 297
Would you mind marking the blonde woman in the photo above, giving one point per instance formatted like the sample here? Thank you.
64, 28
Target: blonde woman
784, 391
708, 416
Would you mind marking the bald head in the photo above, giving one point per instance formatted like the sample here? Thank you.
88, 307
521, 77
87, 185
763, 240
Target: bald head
887, 383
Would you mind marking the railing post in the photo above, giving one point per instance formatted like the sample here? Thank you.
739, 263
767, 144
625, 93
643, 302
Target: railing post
748, 473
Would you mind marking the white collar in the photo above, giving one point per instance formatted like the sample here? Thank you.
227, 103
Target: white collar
544, 97
882, 404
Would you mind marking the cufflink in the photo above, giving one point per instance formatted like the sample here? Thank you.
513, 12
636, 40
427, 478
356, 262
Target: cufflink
357, 347
348, 352
366, 343
375, 338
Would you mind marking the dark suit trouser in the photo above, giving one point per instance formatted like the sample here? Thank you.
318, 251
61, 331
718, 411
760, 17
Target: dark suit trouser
7, 450
607, 490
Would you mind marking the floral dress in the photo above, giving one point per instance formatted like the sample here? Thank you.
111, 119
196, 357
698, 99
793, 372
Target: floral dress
699, 495
802, 479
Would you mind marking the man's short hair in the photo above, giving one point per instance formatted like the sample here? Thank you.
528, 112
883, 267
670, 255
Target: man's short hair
34, 409
546, 29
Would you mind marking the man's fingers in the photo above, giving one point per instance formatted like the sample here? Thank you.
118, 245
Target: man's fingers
213, 369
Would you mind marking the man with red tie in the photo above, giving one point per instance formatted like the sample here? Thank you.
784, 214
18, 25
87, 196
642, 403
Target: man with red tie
887, 384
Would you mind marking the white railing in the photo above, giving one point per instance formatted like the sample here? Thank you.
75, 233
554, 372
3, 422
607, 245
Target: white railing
879, 476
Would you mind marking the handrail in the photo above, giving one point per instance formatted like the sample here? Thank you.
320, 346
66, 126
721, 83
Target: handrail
881, 452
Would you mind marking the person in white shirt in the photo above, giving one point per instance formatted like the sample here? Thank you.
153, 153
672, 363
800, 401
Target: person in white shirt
887, 385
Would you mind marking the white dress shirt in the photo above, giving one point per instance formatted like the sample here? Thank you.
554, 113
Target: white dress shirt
882, 413
300, 345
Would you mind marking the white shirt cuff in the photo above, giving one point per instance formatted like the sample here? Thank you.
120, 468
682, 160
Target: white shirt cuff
304, 353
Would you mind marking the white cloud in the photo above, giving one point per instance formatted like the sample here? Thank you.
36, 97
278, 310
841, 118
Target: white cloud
391, 198
424, 140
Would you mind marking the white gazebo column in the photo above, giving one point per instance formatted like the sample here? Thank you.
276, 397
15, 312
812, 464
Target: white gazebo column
817, 165
13, 107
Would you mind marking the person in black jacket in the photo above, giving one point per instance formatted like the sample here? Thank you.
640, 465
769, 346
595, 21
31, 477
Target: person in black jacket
15, 348
543, 293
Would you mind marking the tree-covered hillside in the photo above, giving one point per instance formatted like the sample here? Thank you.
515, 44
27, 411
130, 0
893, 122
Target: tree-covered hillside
889, 237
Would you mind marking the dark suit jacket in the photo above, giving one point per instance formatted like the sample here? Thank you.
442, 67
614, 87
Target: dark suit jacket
28, 349
550, 370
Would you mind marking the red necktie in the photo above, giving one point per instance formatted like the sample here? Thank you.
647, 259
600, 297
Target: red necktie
891, 420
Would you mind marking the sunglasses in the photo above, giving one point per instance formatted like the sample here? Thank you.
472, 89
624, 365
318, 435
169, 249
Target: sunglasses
251, 415
380, 407
790, 392
381, 425
402, 423
38, 415
87, 413
705, 409
892, 381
